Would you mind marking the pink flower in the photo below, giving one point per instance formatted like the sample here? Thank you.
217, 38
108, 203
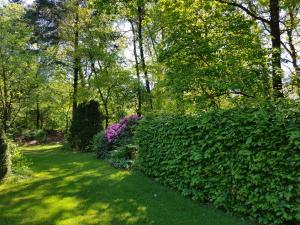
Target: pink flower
114, 130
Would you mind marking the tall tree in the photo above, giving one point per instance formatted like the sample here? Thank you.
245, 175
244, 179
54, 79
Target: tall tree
141, 15
46, 17
76, 59
290, 21
17, 63
134, 13
251, 9
211, 55
137, 69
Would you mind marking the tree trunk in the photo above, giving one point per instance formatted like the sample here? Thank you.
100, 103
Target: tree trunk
276, 48
81, 75
141, 12
5, 160
104, 101
274, 24
139, 94
38, 113
293, 52
76, 62
5, 100
106, 116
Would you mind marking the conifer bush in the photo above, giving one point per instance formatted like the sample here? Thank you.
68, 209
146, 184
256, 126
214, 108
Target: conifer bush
87, 122
246, 161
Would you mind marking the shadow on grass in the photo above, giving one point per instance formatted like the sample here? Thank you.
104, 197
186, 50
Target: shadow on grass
73, 188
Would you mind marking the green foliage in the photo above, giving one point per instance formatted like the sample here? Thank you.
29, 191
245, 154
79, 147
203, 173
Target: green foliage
100, 145
17, 62
246, 161
30, 135
211, 55
87, 122
5, 161
115, 144
20, 164
126, 136
122, 157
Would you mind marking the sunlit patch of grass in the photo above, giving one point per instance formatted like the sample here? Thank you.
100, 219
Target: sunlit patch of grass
118, 176
69, 188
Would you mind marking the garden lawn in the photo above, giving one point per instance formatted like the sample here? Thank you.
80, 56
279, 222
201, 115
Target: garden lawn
77, 189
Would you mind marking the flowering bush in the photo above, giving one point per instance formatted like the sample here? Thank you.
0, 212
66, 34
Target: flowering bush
114, 138
115, 130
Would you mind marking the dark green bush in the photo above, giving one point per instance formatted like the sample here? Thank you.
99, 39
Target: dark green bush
87, 122
5, 163
246, 161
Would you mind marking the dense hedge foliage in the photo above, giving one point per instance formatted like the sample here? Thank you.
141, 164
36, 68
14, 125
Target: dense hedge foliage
245, 161
87, 122
5, 163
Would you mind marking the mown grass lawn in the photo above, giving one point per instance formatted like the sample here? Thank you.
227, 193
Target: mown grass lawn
77, 189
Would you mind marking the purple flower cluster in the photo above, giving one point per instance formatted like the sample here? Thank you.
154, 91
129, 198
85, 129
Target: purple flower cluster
114, 130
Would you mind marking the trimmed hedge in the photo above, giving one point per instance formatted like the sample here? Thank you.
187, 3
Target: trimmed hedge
246, 161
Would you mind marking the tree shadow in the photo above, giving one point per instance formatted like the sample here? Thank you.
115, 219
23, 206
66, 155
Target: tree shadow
70, 188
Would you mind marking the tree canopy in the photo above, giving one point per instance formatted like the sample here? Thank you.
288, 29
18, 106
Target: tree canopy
143, 56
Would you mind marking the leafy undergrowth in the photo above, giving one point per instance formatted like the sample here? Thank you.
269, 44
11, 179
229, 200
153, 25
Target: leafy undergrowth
77, 189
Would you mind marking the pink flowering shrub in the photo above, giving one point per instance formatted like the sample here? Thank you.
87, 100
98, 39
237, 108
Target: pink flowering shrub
115, 130
115, 136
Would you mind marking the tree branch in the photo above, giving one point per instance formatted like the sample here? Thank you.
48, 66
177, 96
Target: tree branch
246, 10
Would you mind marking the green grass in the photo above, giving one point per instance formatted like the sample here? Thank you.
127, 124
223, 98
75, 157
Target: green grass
76, 189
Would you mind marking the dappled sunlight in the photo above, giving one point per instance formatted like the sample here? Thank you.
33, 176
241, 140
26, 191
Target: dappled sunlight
63, 192
140, 112
44, 175
118, 176
40, 148
66, 203
76, 189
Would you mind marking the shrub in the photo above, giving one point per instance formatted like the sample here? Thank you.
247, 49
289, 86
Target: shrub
100, 145
39, 135
32, 135
122, 157
121, 130
87, 122
245, 161
115, 138
20, 165
5, 163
